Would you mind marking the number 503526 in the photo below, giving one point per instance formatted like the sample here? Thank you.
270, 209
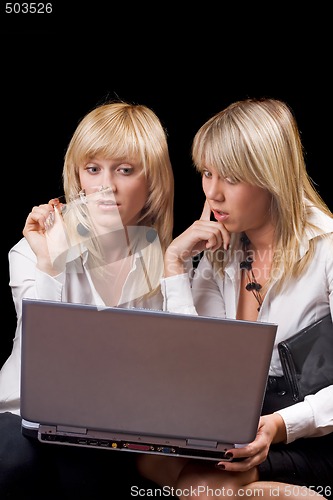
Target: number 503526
28, 8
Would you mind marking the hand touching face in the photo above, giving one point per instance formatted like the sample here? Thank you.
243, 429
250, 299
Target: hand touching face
238, 206
203, 234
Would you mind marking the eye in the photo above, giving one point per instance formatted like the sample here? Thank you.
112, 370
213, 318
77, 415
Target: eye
231, 180
92, 169
126, 170
206, 174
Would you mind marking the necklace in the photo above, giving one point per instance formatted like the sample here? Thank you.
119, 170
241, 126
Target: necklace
246, 265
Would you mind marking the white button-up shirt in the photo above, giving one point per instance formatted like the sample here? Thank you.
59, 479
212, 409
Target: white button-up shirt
73, 285
300, 303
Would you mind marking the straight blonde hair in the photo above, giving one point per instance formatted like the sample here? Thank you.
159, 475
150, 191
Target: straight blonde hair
125, 130
257, 141
121, 130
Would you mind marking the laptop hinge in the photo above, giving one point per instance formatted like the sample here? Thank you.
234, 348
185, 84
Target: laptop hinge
202, 443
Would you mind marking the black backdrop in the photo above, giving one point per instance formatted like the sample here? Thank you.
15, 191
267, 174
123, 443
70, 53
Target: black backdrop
49, 83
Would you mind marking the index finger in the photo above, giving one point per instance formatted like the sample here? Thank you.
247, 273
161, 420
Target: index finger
206, 211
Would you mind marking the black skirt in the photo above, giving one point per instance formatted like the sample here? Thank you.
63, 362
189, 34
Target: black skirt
304, 462
31, 470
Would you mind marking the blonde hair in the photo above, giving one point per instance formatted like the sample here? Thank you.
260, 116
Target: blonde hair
121, 130
125, 130
257, 141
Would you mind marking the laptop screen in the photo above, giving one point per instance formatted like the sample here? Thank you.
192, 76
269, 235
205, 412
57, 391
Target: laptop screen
149, 376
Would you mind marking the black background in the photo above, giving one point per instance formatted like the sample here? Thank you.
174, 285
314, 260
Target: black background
54, 70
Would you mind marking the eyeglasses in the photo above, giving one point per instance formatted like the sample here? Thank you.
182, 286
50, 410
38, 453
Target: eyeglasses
82, 198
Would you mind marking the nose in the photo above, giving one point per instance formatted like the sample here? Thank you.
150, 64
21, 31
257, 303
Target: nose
213, 188
109, 181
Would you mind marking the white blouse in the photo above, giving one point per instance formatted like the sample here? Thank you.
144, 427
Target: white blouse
302, 302
73, 285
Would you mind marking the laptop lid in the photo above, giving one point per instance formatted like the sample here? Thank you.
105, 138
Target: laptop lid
142, 380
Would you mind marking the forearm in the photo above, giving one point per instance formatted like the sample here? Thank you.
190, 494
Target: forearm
312, 417
280, 435
174, 262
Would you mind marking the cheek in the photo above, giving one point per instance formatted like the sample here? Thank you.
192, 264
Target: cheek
86, 182
142, 197
204, 185
141, 187
256, 202
138, 194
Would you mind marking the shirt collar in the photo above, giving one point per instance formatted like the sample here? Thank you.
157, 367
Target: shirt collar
319, 224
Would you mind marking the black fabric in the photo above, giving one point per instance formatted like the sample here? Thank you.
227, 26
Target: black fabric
277, 395
305, 462
30, 470
307, 358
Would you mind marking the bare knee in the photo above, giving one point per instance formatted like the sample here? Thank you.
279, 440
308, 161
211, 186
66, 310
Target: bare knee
160, 469
204, 481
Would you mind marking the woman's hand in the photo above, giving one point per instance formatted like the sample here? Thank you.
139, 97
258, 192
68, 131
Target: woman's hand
271, 429
203, 234
45, 233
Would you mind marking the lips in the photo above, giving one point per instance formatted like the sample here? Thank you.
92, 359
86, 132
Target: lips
219, 215
107, 205
107, 202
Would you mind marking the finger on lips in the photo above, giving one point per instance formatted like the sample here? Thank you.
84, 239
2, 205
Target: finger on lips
206, 211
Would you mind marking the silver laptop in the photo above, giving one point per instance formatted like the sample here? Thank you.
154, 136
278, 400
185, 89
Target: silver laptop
141, 380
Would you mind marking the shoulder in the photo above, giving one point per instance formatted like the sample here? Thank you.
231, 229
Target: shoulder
318, 222
22, 247
325, 242
323, 250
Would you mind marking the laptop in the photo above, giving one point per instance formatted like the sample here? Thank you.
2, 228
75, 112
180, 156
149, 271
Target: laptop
140, 380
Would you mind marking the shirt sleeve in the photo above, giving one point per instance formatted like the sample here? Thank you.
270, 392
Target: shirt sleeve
208, 290
26, 281
312, 417
196, 292
177, 295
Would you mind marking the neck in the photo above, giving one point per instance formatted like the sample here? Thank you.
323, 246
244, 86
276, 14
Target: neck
114, 245
261, 240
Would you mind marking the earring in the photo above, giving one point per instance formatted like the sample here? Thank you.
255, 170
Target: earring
151, 235
82, 230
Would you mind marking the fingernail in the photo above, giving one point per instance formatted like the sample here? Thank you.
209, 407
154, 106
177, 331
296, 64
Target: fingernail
220, 466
